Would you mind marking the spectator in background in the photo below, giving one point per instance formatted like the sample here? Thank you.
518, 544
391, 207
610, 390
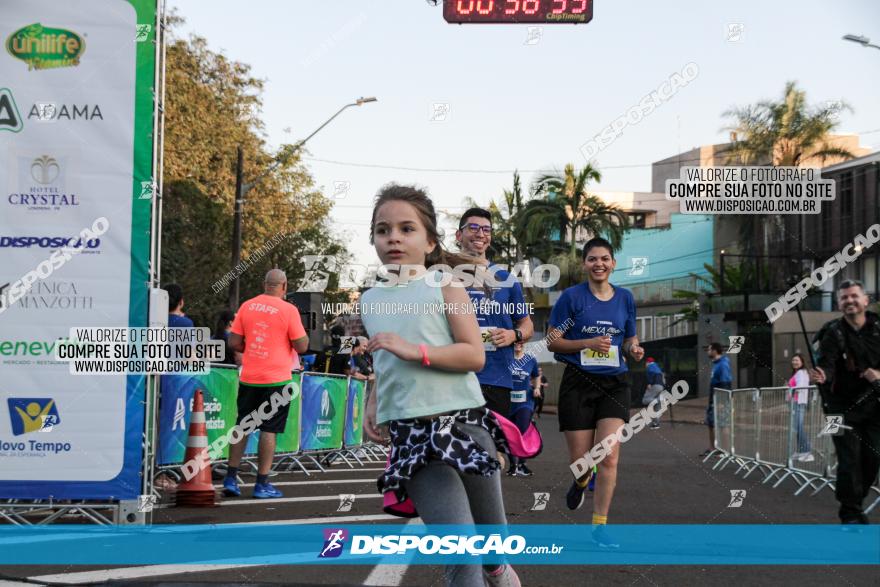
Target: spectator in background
176, 317
799, 384
338, 361
655, 384
360, 367
222, 327
541, 392
721, 377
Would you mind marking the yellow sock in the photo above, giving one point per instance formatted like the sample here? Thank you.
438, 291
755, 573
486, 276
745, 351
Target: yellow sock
599, 520
583, 481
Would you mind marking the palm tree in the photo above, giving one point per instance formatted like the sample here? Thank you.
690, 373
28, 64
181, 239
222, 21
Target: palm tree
786, 132
780, 133
549, 224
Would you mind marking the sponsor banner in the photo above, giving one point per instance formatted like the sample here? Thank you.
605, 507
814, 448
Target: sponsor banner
323, 411
523, 544
76, 128
354, 412
220, 390
289, 440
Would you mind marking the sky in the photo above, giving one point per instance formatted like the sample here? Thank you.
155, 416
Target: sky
461, 106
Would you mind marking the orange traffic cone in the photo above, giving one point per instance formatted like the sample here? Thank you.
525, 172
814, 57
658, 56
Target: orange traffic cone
198, 491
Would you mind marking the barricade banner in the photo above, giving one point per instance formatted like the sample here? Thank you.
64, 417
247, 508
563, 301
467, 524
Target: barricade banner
175, 407
354, 412
288, 441
220, 386
77, 136
323, 410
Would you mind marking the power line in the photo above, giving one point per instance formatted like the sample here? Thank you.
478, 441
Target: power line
673, 161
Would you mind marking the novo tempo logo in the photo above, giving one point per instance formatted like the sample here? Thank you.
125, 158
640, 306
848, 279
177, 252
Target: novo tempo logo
32, 414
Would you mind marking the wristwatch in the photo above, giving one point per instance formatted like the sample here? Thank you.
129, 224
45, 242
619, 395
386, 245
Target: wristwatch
518, 334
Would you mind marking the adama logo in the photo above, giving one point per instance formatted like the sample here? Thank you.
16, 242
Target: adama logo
45, 48
334, 543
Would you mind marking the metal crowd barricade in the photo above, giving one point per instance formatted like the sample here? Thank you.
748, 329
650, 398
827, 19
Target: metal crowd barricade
766, 429
723, 430
774, 433
818, 473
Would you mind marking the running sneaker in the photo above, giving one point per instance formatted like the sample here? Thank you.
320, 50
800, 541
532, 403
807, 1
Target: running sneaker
266, 490
806, 457
512, 471
503, 576
230, 487
575, 496
602, 538
524, 471
592, 484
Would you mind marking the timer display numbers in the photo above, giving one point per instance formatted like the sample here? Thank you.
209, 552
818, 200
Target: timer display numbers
518, 11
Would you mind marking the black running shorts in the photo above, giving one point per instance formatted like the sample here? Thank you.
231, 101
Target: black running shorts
585, 398
251, 397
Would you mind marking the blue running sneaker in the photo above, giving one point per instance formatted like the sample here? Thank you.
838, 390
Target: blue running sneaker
575, 496
266, 490
602, 538
230, 487
592, 484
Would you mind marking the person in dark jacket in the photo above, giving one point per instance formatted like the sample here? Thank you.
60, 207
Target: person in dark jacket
848, 374
721, 378
655, 382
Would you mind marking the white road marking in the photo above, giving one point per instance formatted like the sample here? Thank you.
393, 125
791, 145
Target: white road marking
325, 482
296, 499
160, 570
390, 575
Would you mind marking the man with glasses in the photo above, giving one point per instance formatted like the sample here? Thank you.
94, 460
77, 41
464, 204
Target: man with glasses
501, 311
848, 374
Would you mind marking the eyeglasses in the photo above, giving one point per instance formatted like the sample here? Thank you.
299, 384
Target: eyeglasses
474, 228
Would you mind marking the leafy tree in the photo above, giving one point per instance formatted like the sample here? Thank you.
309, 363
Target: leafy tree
212, 105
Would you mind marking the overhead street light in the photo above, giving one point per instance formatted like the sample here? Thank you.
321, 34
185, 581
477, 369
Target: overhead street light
242, 188
861, 40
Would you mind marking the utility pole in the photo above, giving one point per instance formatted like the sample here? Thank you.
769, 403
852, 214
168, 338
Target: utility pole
242, 188
236, 228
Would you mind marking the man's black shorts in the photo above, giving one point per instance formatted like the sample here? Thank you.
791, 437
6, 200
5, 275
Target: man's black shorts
497, 399
585, 398
251, 397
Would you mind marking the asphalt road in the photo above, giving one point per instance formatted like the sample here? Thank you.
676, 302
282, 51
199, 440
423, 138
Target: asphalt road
661, 481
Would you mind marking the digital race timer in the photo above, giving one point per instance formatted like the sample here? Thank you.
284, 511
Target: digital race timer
515, 11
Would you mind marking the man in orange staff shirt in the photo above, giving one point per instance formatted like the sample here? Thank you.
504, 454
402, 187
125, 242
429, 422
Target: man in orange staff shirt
270, 334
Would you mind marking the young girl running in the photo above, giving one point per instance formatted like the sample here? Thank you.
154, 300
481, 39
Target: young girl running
594, 395
428, 400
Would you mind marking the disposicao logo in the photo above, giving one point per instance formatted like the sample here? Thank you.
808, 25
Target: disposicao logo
31, 414
334, 542
45, 48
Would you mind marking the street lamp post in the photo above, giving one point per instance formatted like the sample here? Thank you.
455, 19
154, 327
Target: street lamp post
861, 40
242, 189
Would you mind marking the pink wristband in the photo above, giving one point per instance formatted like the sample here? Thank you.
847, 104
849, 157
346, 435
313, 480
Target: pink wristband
424, 350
